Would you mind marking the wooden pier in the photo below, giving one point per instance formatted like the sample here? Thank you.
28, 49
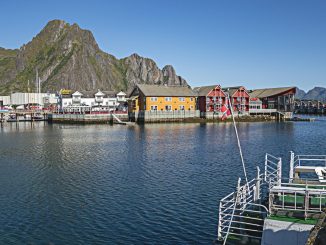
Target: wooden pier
23, 116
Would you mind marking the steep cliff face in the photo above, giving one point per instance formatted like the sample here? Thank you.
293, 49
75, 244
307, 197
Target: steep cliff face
67, 56
144, 70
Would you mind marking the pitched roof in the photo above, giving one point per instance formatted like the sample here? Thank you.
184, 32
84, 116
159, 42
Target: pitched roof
231, 90
268, 92
203, 90
159, 90
100, 93
121, 93
77, 93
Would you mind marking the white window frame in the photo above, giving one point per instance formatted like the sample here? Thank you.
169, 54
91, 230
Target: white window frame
168, 98
182, 99
182, 107
153, 99
154, 107
170, 106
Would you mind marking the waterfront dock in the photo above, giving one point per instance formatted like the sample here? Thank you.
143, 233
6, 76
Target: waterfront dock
23, 116
100, 118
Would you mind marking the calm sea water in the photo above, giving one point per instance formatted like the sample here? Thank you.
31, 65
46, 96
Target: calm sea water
152, 184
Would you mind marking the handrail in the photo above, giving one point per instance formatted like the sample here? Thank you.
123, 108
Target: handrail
245, 199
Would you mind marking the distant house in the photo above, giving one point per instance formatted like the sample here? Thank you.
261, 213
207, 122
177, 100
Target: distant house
239, 97
281, 99
28, 99
146, 97
5, 101
87, 99
121, 97
210, 98
255, 104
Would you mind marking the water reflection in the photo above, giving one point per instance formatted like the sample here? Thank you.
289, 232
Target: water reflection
154, 183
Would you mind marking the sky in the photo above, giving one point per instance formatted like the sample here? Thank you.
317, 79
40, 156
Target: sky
263, 43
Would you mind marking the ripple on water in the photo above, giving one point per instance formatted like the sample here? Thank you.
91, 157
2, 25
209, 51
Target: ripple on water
153, 184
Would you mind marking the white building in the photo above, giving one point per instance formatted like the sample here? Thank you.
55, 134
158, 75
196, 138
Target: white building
5, 100
99, 100
121, 97
33, 98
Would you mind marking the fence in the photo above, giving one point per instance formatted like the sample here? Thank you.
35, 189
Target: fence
241, 212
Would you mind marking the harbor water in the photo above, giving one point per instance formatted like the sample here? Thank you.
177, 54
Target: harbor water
147, 184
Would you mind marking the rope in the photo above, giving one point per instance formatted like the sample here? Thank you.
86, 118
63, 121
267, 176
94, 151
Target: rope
234, 206
238, 140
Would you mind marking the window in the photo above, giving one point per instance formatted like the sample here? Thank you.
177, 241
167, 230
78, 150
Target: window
191, 107
191, 99
154, 99
153, 107
168, 98
182, 108
168, 108
182, 99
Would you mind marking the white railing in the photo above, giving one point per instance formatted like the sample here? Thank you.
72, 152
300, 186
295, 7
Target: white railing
262, 110
305, 160
298, 198
233, 207
310, 160
283, 194
273, 170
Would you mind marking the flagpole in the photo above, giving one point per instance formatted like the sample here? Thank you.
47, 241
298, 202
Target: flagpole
238, 140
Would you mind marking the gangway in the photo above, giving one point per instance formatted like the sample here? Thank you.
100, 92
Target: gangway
118, 121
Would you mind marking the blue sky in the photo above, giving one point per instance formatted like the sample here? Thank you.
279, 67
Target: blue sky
263, 43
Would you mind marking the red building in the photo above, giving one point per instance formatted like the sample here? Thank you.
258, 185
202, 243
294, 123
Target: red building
281, 99
210, 98
239, 97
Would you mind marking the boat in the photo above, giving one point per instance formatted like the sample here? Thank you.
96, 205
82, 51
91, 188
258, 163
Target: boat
275, 209
11, 118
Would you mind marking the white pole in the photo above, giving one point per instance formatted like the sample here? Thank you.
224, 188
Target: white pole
239, 145
291, 166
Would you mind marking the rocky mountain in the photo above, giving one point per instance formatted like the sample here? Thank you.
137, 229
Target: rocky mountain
317, 93
66, 56
299, 94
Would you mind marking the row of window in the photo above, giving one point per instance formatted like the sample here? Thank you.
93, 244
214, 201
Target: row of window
181, 99
169, 107
92, 104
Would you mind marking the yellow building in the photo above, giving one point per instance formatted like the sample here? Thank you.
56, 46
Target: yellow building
146, 97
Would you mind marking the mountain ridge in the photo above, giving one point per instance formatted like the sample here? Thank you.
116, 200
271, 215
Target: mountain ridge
67, 56
316, 93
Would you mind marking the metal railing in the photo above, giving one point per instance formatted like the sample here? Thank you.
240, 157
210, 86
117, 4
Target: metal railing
309, 160
273, 170
305, 160
299, 198
240, 212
